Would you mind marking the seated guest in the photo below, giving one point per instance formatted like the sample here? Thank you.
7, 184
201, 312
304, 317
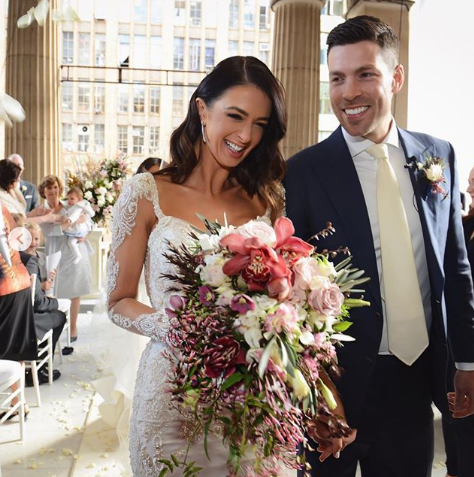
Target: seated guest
46, 314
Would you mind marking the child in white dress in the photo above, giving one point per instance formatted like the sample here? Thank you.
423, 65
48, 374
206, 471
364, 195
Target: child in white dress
76, 207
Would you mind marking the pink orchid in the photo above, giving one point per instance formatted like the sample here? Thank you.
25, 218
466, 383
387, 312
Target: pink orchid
291, 248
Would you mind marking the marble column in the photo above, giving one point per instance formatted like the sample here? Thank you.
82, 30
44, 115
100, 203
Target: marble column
32, 77
296, 58
396, 13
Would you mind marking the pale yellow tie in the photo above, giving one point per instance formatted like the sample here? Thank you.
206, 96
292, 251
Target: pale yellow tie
406, 324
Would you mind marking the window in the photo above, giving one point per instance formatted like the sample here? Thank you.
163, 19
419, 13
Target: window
139, 98
178, 54
83, 137
154, 139
324, 101
322, 135
210, 54
139, 51
234, 14
333, 7
233, 48
84, 49
154, 60
138, 137
68, 47
323, 59
123, 97
264, 52
83, 97
66, 103
180, 12
178, 101
124, 50
195, 9
141, 12
212, 10
122, 138
156, 11
154, 100
99, 137
99, 99
249, 10
247, 48
100, 49
66, 133
264, 15
124, 12
194, 54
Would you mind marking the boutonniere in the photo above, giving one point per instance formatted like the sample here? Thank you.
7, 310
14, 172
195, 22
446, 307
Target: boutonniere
431, 172
23, 188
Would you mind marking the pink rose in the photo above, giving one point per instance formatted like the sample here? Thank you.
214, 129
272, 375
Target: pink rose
258, 229
327, 300
285, 318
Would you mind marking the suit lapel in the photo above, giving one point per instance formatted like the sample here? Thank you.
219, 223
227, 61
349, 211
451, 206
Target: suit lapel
337, 175
415, 151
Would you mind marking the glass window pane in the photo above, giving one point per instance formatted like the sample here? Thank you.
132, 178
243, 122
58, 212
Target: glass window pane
138, 139
83, 97
154, 139
234, 14
179, 12
178, 101
324, 101
141, 11
195, 9
155, 52
124, 50
99, 99
210, 54
194, 54
139, 98
178, 54
68, 47
249, 14
247, 48
67, 143
123, 98
156, 11
122, 138
83, 133
100, 49
155, 100
84, 49
67, 96
99, 137
264, 15
139, 51
233, 48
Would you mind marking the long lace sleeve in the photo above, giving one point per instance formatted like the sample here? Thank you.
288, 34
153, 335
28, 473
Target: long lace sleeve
133, 220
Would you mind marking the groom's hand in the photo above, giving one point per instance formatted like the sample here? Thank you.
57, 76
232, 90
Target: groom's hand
327, 445
461, 402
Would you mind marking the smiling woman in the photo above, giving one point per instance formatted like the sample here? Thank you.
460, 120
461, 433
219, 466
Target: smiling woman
226, 164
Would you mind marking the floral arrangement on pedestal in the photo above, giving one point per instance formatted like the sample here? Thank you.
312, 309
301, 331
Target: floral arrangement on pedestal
101, 184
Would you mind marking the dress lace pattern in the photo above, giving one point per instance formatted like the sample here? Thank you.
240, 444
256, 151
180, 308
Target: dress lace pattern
157, 430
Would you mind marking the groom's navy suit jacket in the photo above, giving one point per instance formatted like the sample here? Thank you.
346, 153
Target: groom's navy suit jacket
322, 185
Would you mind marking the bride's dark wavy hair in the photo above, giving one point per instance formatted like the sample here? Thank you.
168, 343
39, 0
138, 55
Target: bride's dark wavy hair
263, 169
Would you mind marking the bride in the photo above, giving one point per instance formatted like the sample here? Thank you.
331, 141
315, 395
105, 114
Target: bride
226, 165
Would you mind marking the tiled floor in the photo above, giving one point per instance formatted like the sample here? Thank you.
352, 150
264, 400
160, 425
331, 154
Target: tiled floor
66, 437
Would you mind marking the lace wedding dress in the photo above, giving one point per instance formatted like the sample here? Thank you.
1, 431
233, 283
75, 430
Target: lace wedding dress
156, 430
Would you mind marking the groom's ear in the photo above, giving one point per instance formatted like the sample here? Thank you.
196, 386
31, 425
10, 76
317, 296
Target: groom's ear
398, 78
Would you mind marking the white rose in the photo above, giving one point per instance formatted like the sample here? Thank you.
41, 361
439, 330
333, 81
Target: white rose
88, 185
209, 243
88, 195
211, 273
102, 190
259, 229
434, 173
101, 202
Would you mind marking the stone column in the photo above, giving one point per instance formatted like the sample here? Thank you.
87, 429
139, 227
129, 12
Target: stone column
396, 14
296, 58
32, 77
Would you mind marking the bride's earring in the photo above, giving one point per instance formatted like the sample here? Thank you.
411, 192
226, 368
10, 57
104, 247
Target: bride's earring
204, 138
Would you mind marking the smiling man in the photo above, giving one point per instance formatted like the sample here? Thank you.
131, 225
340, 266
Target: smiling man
375, 183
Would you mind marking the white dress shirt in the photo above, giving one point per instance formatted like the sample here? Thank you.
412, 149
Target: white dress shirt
366, 167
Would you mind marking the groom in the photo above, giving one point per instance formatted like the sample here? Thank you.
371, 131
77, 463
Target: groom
396, 206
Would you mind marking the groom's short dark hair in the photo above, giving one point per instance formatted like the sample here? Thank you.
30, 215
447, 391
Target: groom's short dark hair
366, 28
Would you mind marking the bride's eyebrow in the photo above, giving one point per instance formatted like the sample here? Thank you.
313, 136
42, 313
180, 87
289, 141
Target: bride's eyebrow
244, 113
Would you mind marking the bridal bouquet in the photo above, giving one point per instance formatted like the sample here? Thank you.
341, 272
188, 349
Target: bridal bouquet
252, 332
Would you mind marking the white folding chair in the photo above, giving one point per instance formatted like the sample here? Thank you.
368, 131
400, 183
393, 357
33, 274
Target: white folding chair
45, 353
12, 372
